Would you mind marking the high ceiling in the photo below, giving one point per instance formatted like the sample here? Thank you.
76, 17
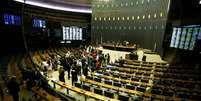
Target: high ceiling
73, 1
82, 6
86, 3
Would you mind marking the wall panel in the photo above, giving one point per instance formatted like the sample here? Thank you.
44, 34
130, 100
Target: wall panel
139, 21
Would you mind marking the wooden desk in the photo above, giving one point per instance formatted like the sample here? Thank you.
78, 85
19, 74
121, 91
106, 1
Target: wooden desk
136, 62
148, 77
134, 91
128, 74
145, 62
119, 48
84, 92
143, 83
42, 93
138, 67
127, 90
150, 72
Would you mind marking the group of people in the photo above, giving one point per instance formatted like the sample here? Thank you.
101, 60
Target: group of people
77, 62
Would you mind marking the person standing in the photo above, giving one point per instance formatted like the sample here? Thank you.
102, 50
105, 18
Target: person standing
85, 70
68, 66
108, 58
14, 88
1, 93
74, 73
121, 62
61, 74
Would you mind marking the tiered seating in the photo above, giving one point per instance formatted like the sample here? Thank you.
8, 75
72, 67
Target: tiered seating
161, 78
147, 71
122, 87
135, 80
86, 90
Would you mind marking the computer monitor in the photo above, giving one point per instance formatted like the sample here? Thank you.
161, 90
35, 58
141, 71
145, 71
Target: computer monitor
109, 94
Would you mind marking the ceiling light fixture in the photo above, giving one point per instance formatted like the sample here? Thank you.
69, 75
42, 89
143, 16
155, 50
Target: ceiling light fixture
34, 3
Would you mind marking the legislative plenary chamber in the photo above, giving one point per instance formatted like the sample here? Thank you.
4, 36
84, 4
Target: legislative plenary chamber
100, 50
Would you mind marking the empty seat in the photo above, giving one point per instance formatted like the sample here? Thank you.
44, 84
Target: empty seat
97, 79
141, 89
109, 94
138, 73
131, 87
109, 82
78, 85
98, 91
145, 80
124, 77
86, 87
134, 79
115, 75
134, 84
89, 77
105, 73
183, 95
196, 97
113, 69
117, 84
146, 74
100, 72
123, 82
123, 97
167, 93
156, 91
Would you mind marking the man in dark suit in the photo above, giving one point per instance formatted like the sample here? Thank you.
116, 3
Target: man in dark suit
61, 74
74, 73
144, 58
14, 88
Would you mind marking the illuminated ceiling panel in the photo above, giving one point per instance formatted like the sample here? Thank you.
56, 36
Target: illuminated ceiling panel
80, 6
